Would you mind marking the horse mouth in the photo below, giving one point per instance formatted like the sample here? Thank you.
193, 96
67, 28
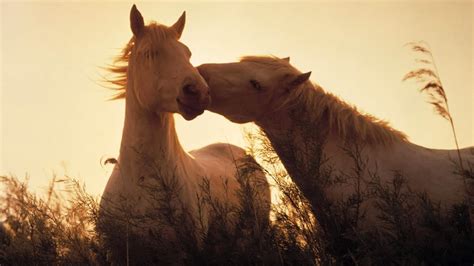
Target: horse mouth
189, 112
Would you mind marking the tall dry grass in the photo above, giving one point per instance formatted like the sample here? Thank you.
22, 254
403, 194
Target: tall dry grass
62, 227
56, 229
428, 76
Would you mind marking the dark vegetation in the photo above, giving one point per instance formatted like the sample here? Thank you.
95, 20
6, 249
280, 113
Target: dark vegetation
412, 229
63, 226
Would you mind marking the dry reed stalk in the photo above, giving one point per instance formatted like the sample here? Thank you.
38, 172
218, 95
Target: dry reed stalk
428, 76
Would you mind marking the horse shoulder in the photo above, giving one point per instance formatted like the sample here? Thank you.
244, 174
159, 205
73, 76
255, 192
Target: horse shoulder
219, 160
220, 152
219, 163
222, 162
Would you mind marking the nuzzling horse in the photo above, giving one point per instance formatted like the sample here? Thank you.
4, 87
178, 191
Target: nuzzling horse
309, 127
156, 80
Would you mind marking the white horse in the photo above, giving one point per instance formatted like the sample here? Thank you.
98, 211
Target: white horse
156, 80
296, 114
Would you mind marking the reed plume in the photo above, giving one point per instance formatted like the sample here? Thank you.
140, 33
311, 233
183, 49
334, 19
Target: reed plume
428, 76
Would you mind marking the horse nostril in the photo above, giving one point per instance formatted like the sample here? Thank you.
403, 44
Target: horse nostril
190, 90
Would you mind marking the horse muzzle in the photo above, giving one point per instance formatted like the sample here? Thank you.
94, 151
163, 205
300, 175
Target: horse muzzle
190, 108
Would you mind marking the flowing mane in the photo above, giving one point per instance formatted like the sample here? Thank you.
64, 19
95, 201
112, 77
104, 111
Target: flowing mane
342, 118
119, 67
270, 61
345, 120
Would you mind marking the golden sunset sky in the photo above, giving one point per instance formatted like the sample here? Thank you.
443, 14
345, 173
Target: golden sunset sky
55, 116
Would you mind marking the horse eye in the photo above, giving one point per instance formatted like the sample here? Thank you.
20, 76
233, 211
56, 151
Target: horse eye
255, 84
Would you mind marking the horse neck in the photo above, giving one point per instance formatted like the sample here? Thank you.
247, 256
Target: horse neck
321, 118
297, 143
150, 144
291, 128
304, 141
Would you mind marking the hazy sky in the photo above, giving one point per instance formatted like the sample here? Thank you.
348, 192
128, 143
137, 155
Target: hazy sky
54, 114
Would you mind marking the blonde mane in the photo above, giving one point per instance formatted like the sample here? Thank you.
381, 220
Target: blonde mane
342, 119
269, 61
119, 68
345, 120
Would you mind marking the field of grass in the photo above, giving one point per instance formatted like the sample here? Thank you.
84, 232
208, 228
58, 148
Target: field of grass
62, 228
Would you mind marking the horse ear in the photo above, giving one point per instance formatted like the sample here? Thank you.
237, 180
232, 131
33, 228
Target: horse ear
179, 25
136, 21
287, 59
300, 79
